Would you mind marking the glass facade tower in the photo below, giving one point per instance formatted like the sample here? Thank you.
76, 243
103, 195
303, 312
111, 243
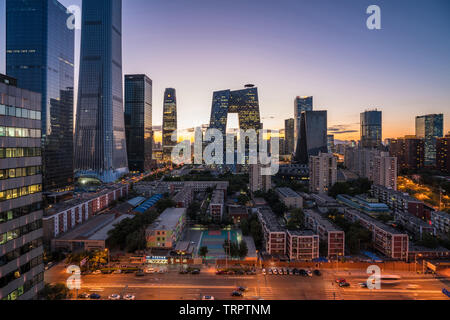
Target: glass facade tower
169, 123
313, 135
430, 127
100, 142
301, 104
371, 129
40, 55
243, 102
138, 121
289, 136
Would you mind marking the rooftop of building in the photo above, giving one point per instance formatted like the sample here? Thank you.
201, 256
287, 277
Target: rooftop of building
287, 193
168, 219
376, 222
441, 214
323, 198
259, 202
322, 220
217, 197
89, 228
237, 210
102, 234
413, 219
302, 233
401, 194
270, 219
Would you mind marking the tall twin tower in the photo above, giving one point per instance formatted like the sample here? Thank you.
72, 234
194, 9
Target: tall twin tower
100, 142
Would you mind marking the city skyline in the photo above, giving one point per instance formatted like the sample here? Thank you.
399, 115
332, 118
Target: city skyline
370, 69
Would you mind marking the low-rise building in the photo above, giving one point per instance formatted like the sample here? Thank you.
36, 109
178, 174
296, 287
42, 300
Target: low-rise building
237, 213
184, 198
290, 198
216, 206
302, 245
413, 224
441, 221
328, 233
392, 243
399, 201
65, 216
367, 205
167, 229
274, 234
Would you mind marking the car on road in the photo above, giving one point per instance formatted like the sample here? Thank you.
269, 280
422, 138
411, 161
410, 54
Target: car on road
114, 297
118, 271
303, 273
363, 284
270, 271
83, 296
295, 271
280, 271
206, 298
412, 287
285, 271
220, 272
140, 273
183, 272
150, 270
237, 294
275, 271
195, 271
95, 296
97, 272
339, 280
309, 273
242, 289
317, 273
344, 284
129, 297
240, 272
264, 271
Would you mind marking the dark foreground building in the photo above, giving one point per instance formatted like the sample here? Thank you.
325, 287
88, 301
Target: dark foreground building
138, 121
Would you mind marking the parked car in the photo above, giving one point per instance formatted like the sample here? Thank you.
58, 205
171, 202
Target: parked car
83, 296
309, 273
280, 271
129, 297
242, 289
196, 271
220, 272
236, 294
339, 280
97, 272
150, 270
270, 271
317, 273
344, 284
114, 297
295, 271
184, 271
118, 271
95, 296
275, 271
363, 284
303, 273
208, 298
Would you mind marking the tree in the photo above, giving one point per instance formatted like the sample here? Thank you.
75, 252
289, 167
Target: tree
55, 292
193, 210
203, 252
163, 204
297, 220
243, 249
243, 199
245, 227
136, 241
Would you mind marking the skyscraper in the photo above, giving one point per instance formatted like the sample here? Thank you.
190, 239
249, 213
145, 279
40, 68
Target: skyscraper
289, 136
371, 129
313, 137
244, 102
301, 104
138, 121
443, 154
330, 143
409, 152
430, 127
322, 172
169, 123
21, 250
40, 54
100, 142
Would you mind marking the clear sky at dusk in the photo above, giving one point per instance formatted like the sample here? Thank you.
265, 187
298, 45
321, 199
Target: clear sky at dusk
290, 48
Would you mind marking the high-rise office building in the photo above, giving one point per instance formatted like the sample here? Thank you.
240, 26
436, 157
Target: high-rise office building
330, 143
443, 153
313, 137
21, 250
430, 127
244, 102
289, 136
301, 104
169, 123
371, 129
40, 54
322, 172
138, 121
100, 142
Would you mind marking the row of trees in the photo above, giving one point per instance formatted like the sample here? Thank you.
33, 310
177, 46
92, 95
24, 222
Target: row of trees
273, 200
235, 249
252, 227
356, 236
352, 188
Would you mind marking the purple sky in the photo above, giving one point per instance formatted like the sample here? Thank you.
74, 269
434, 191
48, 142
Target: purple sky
290, 48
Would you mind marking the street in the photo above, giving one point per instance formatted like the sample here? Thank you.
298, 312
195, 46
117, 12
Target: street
175, 286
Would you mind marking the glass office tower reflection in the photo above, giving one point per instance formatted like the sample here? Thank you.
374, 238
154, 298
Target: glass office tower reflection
138, 121
40, 55
100, 143
430, 127
313, 135
371, 129
301, 104
169, 123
